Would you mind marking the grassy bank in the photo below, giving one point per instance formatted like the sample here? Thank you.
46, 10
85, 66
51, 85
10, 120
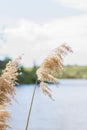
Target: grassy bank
75, 72
28, 75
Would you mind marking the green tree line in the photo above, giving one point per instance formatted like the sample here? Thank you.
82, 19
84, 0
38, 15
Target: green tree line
28, 75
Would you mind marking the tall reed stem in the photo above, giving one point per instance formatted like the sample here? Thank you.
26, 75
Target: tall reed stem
30, 108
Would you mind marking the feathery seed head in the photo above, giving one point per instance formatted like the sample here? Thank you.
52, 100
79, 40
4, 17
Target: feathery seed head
7, 82
53, 63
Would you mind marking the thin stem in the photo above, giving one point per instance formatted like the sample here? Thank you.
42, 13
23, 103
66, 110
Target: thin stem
28, 119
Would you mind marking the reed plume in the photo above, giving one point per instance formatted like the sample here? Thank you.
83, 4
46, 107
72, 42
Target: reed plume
4, 116
52, 63
8, 80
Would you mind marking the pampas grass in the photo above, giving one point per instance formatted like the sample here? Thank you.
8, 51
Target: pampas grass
4, 116
8, 80
53, 63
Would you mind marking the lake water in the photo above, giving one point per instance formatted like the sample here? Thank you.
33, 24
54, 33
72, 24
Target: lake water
67, 112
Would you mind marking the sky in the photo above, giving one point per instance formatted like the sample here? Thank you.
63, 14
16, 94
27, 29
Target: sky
35, 27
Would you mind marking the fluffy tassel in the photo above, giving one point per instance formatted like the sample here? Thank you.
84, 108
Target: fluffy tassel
8, 80
53, 63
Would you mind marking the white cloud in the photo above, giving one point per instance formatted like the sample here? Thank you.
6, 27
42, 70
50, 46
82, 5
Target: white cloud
78, 4
37, 40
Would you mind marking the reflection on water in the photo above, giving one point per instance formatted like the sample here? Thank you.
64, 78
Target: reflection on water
67, 112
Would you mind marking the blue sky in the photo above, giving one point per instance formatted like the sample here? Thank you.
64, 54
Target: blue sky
36, 27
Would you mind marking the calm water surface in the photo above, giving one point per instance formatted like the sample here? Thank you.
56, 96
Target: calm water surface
67, 112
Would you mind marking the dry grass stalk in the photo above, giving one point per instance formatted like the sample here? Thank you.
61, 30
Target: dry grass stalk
53, 63
4, 116
8, 80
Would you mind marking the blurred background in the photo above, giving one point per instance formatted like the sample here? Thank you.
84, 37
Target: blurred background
34, 28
